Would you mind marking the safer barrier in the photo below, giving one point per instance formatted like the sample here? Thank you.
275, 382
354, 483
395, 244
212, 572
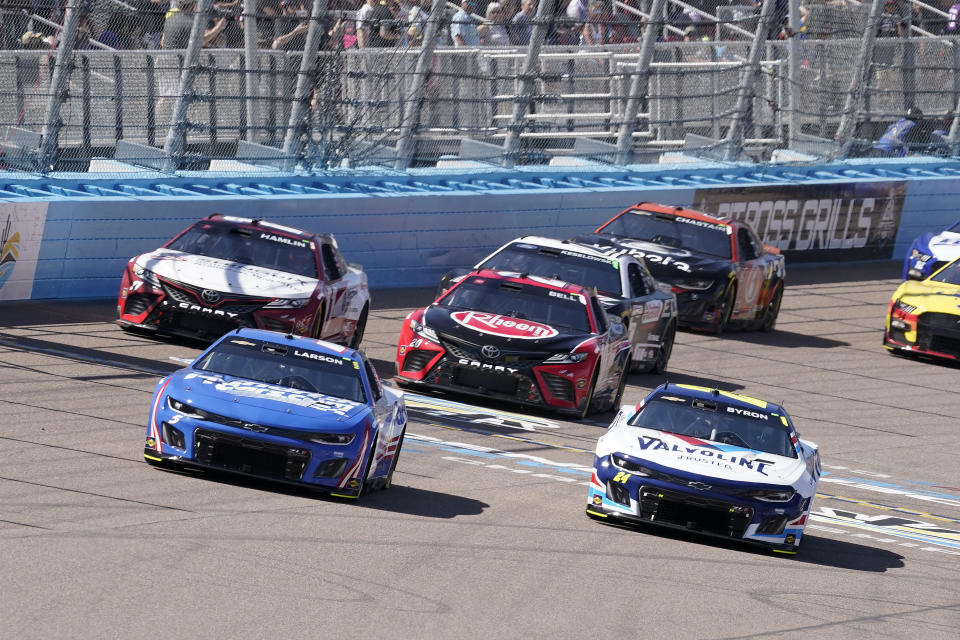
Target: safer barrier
69, 238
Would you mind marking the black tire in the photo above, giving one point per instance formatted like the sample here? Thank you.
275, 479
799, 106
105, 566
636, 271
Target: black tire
621, 386
396, 456
769, 319
726, 309
587, 405
365, 484
361, 327
318, 323
666, 348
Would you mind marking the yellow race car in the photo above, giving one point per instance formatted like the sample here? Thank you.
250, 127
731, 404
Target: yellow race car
924, 316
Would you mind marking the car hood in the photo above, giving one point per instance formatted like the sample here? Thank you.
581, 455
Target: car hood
944, 246
265, 404
701, 457
505, 332
226, 276
928, 295
671, 263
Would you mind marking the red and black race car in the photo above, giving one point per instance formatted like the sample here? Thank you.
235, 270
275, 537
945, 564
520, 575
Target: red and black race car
722, 274
225, 272
523, 339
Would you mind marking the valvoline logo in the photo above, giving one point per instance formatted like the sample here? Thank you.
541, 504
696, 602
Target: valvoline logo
505, 326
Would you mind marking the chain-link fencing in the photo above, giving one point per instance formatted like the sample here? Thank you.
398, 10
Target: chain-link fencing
169, 85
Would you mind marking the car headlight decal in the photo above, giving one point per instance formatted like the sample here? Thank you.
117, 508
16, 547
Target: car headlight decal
695, 285
772, 495
332, 438
287, 303
566, 358
186, 409
424, 331
628, 465
146, 275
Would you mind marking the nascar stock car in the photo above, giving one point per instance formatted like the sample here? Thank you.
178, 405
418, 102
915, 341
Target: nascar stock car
709, 461
225, 272
625, 287
930, 251
282, 407
522, 339
722, 274
924, 316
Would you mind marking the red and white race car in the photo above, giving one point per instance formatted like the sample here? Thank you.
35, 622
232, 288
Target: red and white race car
225, 272
524, 339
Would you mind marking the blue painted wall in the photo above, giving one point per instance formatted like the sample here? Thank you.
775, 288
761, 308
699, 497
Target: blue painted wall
408, 229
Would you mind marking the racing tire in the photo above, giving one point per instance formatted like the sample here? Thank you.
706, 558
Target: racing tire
621, 386
360, 328
659, 365
726, 309
388, 482
588, 403
367, 485
769, 319
317, 331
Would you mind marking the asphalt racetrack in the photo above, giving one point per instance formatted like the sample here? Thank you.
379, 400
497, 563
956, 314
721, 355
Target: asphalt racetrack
484, 533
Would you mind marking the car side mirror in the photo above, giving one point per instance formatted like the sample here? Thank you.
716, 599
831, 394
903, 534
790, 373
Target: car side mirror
617, 329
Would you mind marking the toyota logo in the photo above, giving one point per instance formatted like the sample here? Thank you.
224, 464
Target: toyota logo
490, 352
210, 296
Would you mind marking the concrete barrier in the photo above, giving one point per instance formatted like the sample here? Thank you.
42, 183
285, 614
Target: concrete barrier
70, 237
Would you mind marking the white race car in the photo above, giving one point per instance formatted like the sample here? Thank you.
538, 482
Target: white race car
709, 461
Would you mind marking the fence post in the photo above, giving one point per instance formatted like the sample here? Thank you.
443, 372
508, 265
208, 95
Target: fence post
58, 88
305, 82
748, 81
86, 142
251, 66
639, 83
522, 102
177, 134
848, 119
414, 98
117, 97
793, 72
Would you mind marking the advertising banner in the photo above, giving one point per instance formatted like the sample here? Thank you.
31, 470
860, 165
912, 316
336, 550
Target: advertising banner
21, 230
816, 222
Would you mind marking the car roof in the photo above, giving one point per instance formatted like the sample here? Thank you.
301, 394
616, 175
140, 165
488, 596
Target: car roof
300, 342
680, 212
571, 245
271, 226
708, 393
538, 281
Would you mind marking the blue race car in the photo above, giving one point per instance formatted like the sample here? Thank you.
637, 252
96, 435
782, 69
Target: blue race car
706, 460
930, 251
282, 407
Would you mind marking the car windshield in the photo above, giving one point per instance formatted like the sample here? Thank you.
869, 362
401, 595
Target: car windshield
559, 264
285, 366
260, 247
672, 231
755, 429
950, 274
522, 301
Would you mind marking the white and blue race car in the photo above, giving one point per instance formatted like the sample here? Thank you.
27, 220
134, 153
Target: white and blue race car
709, 461
281, 407
930, 251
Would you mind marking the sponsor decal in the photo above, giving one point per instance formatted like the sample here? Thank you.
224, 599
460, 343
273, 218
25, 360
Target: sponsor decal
706, 455
643, 250
498, 325
488, 367
584, 256
196, 308
855, 221
566, 296
251, 389
21, 231
244, 343
151, 443
651, 312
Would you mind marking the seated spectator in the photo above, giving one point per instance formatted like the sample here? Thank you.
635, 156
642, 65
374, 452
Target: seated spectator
597, 30
493, 32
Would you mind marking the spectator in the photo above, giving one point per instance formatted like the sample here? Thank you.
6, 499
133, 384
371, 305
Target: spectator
904, 135
417, 19
493, 31
363, 24
294, 23
16, 21
521, 25
952, 28
463, 27
377, 25
596, 30
117, 33
895, 20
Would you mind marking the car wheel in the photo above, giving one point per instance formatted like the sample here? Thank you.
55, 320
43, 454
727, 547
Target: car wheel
358, 331
666, 348
585, 411
726, 309
622, 386
317, 332
769, 319
396, 456
366, 485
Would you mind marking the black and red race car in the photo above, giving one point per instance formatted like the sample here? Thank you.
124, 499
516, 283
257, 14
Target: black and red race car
225, 272
522, 339
722, 274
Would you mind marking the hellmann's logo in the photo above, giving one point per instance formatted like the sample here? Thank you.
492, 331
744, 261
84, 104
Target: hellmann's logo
505, 326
